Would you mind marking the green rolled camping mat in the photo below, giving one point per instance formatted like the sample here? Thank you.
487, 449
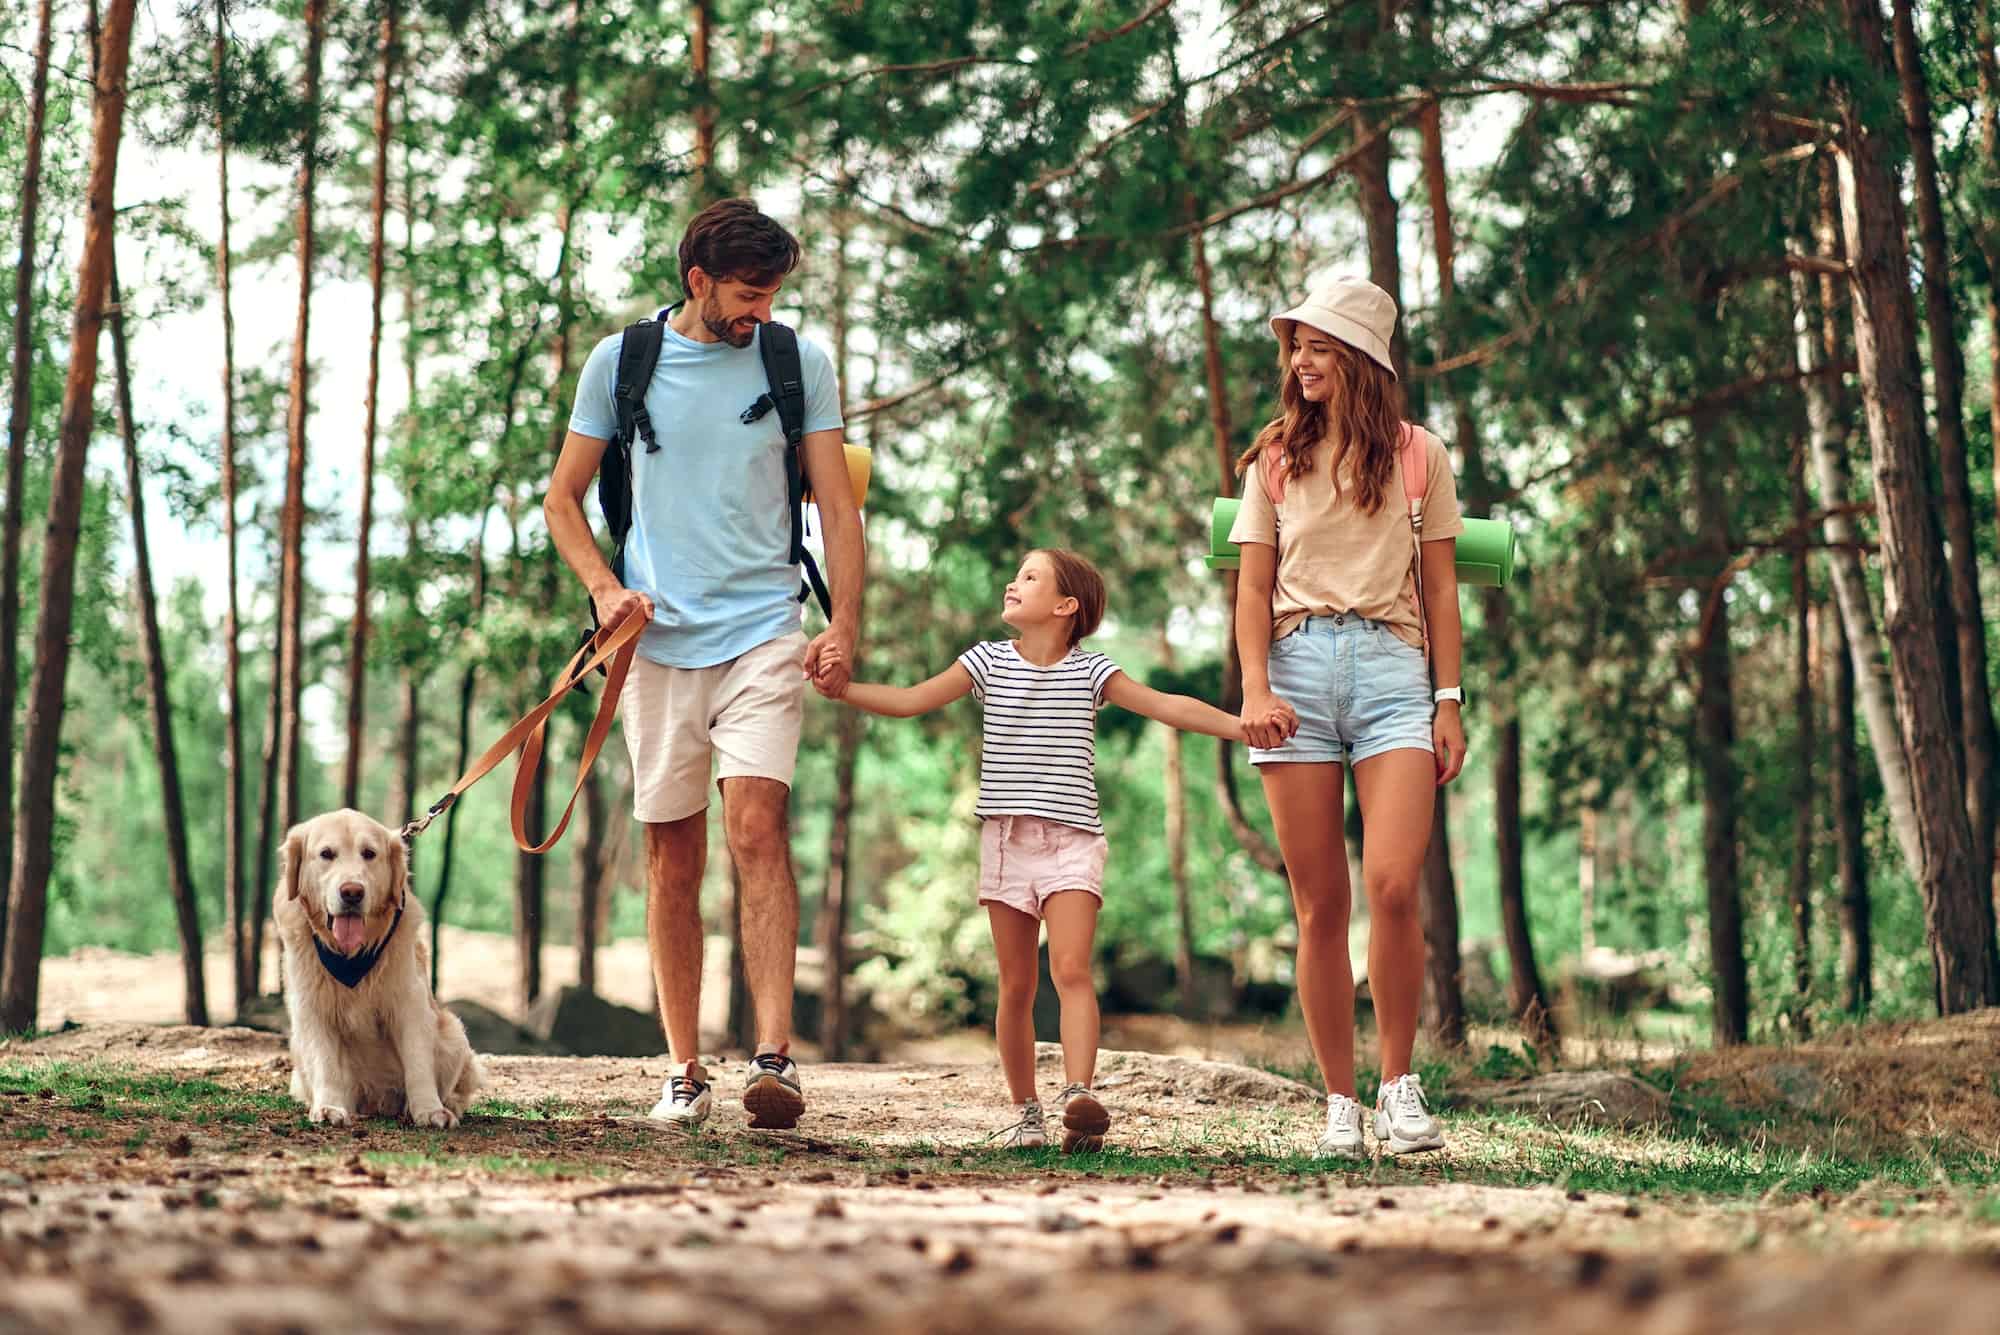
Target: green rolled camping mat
1485, 550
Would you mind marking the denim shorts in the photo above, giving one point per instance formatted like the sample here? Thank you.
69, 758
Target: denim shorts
1358, 691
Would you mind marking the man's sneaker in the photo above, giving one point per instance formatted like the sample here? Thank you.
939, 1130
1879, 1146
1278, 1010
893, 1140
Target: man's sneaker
1030, 1133
684, 1100
1342, 1137
772, 1096
1084, 1120
1402, 1124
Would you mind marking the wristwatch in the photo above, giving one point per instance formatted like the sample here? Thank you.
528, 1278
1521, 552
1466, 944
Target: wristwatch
1443, 693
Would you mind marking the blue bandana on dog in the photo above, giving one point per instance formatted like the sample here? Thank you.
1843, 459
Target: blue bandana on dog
349, 970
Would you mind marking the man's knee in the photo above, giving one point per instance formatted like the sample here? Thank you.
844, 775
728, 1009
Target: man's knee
754, 816
676, 856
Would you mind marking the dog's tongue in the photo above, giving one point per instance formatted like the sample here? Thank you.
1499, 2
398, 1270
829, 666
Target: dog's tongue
349, 932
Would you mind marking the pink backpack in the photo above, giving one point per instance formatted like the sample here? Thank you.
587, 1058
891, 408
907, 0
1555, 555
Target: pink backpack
1413, 460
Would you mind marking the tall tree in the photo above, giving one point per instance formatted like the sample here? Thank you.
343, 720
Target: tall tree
357, 653
1958, 914
243, 964
33, 851
1850, 837
1526, 995
291, 580
20, 405
1975, 702
1804, 817
180, 878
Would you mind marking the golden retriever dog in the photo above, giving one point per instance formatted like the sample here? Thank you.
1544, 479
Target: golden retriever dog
368, 1038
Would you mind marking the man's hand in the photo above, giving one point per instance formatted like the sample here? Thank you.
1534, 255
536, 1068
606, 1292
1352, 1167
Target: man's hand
1448, 737
615, 602
830, 661
1267, 720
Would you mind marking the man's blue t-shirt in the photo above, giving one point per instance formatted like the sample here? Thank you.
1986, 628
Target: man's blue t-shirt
711, 535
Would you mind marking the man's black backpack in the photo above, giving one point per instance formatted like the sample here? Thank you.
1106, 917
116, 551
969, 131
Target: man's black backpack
638, 354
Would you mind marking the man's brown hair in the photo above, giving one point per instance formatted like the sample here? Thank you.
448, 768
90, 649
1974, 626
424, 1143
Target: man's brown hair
1077, 578
732, 239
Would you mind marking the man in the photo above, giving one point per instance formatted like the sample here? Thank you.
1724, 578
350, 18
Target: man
721, 670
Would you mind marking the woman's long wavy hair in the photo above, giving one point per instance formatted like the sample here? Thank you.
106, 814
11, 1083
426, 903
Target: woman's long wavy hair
1367, 402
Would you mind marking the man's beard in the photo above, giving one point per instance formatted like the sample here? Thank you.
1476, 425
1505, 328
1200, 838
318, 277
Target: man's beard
729, 331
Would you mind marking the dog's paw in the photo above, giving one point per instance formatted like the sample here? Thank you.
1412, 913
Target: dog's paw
441, 1119
332, 1114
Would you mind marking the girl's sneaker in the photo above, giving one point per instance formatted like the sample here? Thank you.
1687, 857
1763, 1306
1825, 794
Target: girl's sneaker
1342, 1137
1030, 1133
1084, 1120
1402, 1123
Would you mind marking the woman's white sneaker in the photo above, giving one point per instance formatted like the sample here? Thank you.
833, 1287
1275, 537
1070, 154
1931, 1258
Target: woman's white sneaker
1403, 1124
1342, 1137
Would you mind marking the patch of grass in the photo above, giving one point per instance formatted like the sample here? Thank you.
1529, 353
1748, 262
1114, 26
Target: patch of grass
499, 1165
116, 1094
1439, 1075
35, 1132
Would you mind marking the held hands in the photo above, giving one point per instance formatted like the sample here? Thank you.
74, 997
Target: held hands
1267, 720
830, 662
1448, 739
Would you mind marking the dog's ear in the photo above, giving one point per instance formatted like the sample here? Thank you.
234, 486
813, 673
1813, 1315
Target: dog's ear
291, 858
399, 868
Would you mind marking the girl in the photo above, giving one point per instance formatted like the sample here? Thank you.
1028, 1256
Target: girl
1344, 595
1041, 844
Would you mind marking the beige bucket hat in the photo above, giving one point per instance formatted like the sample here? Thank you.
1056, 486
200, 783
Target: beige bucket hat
1353, 310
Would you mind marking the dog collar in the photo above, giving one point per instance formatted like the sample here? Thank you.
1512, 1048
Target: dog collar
349, 970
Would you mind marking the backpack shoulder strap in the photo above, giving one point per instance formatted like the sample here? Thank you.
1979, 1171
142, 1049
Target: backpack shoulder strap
1415, 457
638, 355
784, 373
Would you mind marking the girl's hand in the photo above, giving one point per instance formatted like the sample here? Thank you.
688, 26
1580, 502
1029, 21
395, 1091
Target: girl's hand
1267, 720
826, 666
1448, 737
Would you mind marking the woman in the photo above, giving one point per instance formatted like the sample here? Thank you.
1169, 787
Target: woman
1347, 610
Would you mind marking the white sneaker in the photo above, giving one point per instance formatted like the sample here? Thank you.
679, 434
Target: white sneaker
1342, 1137
1084, 1120
1030, 1133
772, 1095
1402, 1123
684, 1100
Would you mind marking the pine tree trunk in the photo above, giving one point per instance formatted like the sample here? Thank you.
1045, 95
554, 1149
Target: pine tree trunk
180, 879
357, 651
412, 723
19, 412
1857, 961
242, 967
1975, 699
1986, 233
592, 862
1526, 995
1586, 876
1804, 815
1957, 910
835, 897
1818, 343
704, 105
291, 634
267, 832
1174, 799
20, 972
531, 888
447, 857
1715, 740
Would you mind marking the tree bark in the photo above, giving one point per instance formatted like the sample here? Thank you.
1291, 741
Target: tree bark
180, 879
412, 724
592, 863
1806, 746
704, 104
20, 978
1174, 798
291, 631
19, 412
1957, 910
243, 966
1975, 699
834, 905
1817, 343
1526, 995
1715, 742
1986, 234
357, 652
466, 685
1857, 961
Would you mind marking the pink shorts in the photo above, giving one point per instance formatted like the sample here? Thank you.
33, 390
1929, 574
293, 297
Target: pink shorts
1025, 859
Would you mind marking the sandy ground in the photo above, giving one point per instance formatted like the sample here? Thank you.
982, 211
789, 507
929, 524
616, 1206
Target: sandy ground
882, 1214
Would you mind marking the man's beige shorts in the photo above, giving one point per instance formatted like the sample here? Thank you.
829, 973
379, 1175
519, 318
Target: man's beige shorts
744, 713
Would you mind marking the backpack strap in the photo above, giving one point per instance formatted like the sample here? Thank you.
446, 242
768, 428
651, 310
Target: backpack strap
638, 354
784, 373
1413, 458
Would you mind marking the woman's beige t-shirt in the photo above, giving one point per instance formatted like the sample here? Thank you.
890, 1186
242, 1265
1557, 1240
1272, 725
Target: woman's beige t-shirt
1334, 558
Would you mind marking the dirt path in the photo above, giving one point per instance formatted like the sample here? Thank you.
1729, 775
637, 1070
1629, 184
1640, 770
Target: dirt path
145, 1202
